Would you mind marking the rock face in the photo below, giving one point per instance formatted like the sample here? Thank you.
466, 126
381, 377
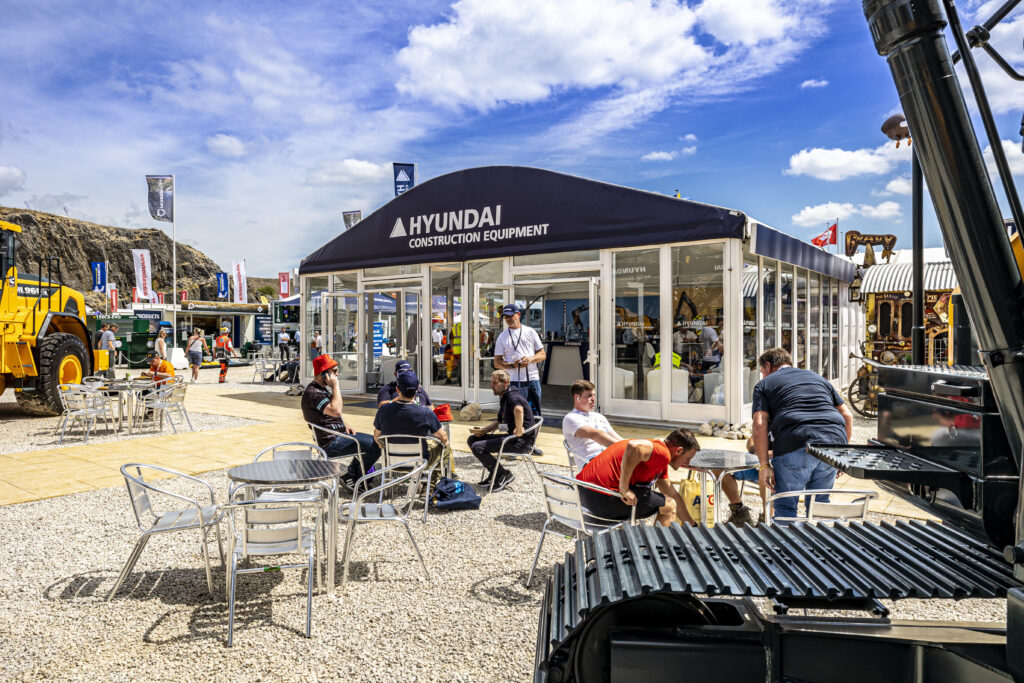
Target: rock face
78, 242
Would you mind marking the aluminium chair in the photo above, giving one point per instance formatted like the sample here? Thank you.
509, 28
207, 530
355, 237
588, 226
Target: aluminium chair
195, 516
404, 450
171, 402
819, 510
359, 511
321, 432
262, 528
81, 404
504, 454
562, 505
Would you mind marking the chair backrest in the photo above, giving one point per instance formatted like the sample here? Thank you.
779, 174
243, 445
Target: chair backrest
571, 454
292, 450
75, 397
855, 505
408, 477
141, 505
562, 500
404, 449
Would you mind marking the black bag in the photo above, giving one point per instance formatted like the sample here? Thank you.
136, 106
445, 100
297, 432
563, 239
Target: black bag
452, 494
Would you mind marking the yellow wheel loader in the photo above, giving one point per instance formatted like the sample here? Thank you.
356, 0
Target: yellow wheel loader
44, 342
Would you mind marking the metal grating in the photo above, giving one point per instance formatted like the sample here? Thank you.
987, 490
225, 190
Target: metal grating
906, 559
883, 463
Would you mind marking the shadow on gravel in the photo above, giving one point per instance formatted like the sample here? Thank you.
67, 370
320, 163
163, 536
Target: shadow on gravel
210, 622
530, 520
507, 589
170, 586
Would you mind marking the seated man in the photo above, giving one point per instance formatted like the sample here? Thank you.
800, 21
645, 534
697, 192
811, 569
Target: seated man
405, 416
288, 372
514, 417
389, 392
634, 468
160, 370
585, 430
321, 406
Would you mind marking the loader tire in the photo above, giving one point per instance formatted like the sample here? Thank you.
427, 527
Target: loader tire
63, 359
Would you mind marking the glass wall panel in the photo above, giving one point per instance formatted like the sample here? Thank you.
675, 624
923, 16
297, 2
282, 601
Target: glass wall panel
486, 324
835, 329
388, 271
751, 278
826, 329
770, 274
800, 357
637, 312
556, 257
814, 322
446, 324
786, 296
698, 312
341, 340
312, 297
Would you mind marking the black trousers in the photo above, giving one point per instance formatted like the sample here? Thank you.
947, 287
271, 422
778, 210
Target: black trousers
484, 448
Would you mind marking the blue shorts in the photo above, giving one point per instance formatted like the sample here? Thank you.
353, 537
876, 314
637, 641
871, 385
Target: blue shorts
195, 358
746, 475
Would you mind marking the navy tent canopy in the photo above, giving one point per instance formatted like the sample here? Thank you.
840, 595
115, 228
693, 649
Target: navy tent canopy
498, 211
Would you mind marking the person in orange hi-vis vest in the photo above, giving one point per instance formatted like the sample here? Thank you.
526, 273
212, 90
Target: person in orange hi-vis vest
223, 351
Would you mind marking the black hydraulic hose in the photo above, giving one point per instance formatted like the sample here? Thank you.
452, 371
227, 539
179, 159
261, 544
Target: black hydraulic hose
908, 33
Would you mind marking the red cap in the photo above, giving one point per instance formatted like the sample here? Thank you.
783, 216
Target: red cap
323, 363
443, 412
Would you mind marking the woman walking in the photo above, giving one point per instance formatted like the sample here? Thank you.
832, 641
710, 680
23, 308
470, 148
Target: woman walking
161, 344
197, 347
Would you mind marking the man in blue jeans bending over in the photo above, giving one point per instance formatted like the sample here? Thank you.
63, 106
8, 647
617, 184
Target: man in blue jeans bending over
798, 407
321, 406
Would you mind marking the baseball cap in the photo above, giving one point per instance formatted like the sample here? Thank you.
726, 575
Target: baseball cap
322, 364
408, 380
510, 309
403, 366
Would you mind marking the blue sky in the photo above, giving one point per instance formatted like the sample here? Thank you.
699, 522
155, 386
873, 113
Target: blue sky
275, 118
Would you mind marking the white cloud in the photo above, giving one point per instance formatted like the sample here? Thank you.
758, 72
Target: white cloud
689, 137
898, 185
348, 172
814, 83
813, 216
745, 22
492, 53
687, 151
883, 212
226, 146
659, 156
12, 178
1014, 158
839, 164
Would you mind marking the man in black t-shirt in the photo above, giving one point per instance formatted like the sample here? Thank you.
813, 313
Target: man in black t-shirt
389, 392
798, 407
405, 416
514, 417
321, 406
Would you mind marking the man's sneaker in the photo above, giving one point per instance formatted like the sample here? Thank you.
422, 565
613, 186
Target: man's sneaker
504, 480
486, 481
740, 515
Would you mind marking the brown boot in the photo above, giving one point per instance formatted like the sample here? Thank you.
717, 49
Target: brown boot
739, 514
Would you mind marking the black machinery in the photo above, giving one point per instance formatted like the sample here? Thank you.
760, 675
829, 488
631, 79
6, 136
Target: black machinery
671, 603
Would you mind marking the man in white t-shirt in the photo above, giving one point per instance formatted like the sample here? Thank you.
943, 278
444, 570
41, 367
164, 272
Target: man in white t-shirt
436, 337
282, 344
585, 430
518, 350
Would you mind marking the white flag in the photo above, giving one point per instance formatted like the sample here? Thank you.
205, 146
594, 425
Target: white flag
143, 273
238, 280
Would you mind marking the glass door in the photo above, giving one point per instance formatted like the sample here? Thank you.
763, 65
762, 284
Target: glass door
392, 333
485, 326
340, 335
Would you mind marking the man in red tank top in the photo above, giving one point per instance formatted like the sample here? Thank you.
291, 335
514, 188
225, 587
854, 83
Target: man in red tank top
635, 468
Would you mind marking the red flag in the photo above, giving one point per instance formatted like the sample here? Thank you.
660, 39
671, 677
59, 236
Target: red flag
113, 299
159, 297
827, 237
184, 295
282, 282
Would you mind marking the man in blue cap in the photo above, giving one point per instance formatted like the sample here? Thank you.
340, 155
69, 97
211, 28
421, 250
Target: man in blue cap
389, 392
404, 416
517, 351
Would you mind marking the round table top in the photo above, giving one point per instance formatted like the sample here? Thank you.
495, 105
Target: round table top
285, 471
718, 459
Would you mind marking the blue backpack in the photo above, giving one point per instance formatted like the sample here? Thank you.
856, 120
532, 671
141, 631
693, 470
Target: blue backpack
452, 494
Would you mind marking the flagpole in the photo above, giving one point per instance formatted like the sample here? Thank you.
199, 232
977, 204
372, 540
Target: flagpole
174, 272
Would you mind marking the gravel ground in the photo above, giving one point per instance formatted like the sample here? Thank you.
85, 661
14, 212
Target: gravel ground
473, 621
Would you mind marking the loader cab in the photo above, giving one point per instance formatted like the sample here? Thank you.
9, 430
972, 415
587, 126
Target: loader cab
8, 247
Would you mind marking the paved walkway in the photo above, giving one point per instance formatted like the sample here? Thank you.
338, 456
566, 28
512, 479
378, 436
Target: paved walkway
33, 475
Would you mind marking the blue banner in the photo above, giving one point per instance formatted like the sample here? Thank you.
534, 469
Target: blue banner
378, 339
405, 177
99, 275
222, 285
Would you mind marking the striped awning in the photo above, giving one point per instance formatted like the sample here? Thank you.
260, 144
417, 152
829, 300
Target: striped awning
897, 277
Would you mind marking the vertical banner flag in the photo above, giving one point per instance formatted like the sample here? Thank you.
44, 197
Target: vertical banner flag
184, 295
99, 275
827, 237
143, 273
282, 284
112, 289
159, 297
135, 295
161, 197
405, 177
351, 217
222, 286
238, 280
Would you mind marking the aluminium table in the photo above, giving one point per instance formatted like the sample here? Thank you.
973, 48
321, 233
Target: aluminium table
711, 461
297, 473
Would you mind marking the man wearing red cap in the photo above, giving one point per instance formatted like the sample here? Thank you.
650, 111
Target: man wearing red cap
321, 406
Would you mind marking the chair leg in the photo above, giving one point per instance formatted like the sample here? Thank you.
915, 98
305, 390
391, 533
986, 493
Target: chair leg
130, 564
231, 600
204, 530
188, 420
416, 548
536, 555
347, 554
220, 545
309, 590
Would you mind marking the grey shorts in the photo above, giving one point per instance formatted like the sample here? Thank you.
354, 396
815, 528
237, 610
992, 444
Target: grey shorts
195, 358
